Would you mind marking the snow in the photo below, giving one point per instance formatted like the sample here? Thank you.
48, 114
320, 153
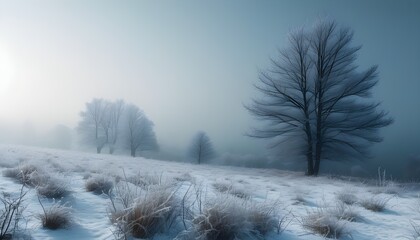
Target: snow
90, 211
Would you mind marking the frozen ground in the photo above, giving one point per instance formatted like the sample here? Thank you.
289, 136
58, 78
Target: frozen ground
296, 195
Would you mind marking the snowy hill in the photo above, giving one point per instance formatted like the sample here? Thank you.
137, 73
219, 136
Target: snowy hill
301, 204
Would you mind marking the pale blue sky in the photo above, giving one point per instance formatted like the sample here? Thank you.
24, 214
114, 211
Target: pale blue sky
190, 64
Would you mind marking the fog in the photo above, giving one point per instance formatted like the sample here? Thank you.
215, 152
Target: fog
190, 65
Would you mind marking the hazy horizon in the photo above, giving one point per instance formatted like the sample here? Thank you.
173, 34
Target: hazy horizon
190, 65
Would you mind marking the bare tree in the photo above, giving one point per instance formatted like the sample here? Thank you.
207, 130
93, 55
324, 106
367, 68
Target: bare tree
106, 120
201, 148
347, 122
116, 111
315, 93
139, 134
287, 98
90, 127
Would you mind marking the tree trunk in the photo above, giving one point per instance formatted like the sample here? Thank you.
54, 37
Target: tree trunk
317, 159
309, 159
319, 135
309, 153
199, 151
318, 145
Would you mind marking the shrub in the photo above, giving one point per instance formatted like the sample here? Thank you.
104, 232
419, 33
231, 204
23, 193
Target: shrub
323, 223
11, 213
99, 185
55, 217
375, 203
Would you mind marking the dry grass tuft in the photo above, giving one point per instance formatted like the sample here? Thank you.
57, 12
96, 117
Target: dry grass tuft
222, 221
376, 203
151, 214
26, 174
147, 215
56, 217
347, 197
345, 212
229, 218
145, 180
323, 223
99, 185
264, 218
53, 188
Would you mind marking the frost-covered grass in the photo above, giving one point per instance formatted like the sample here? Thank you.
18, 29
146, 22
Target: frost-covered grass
54, 187
229, 218
143, 213
231, 189
27, 174
324, 223
346, 212
376, 203
197, 209
47, 184
99, 184
347, 196
56, 216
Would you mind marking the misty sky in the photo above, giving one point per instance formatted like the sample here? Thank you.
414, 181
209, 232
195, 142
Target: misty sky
190, 65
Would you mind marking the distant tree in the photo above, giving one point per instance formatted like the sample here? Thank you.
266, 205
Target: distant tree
111, 123
91, 125
315, 93
138, 131
201, 148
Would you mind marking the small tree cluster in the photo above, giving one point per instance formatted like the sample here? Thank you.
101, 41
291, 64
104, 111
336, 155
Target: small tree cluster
112, 124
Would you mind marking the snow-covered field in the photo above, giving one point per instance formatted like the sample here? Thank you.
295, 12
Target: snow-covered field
294, 195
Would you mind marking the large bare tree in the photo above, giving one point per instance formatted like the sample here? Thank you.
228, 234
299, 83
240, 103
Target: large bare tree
286, 101
315, 93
